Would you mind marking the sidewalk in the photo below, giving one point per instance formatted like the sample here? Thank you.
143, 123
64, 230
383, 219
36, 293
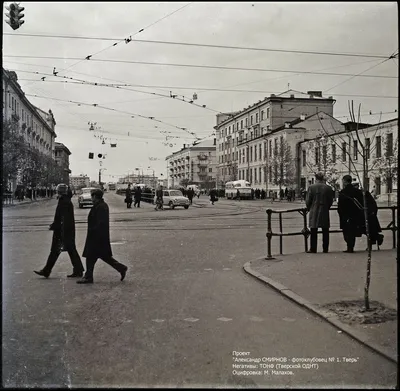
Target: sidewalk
314, 280
28, 201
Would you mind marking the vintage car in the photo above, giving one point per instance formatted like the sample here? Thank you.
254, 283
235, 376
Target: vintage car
174, 198
85, 198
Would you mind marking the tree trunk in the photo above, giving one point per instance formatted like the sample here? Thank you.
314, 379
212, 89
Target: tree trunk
368, 279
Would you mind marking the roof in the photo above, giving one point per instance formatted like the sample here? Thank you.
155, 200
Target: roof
62, 146
300, 95
299, 120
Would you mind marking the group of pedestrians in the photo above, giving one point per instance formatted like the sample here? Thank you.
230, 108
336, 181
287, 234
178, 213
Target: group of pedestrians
351, 214
33, 193
97, 243
137, 196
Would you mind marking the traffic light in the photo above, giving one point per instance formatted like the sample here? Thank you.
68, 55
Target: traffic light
15, 15
91, 155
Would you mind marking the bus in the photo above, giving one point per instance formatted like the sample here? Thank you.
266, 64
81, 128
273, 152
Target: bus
244, 188
112, 186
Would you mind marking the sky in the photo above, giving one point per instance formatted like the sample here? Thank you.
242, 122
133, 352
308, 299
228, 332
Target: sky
129, 115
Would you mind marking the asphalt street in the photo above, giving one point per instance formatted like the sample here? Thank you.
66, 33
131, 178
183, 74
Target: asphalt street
185, 311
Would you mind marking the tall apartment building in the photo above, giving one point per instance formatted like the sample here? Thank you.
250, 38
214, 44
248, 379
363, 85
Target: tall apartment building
244, 136
79, 181
61, 155
193, 164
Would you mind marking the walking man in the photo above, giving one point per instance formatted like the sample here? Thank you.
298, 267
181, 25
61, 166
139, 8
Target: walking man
138, 196
318, 202
190, 194
128, 197
213, 196
98, 239
63, 228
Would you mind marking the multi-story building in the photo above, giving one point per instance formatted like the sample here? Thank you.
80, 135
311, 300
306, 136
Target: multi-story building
342, 153
150, 181
62, 159
193, 164
79, 181
37, 126
243, 136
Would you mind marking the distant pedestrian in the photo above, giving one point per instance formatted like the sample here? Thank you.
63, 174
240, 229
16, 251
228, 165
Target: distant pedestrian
69, 192
252, 194
63, 228
319, 201
98, 239
138, 196
238, 194
213, 196
281, 194
190, 195
128, 196
159, 199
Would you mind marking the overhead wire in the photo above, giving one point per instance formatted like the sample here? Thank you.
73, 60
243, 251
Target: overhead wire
207, 66
382, 56
126, 40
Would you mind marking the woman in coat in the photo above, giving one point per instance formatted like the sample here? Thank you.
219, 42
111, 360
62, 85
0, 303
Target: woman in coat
63, 228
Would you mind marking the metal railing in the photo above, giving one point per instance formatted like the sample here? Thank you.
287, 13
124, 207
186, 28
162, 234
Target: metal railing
306, 232
8, 199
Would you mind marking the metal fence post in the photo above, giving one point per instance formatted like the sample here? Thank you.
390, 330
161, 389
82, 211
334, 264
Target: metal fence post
280, 236
269, 235
305, 230
394, 227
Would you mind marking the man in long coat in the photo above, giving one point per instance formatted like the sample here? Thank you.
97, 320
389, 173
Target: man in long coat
98, 239
63, 228
318, 202
128, 196
138, 196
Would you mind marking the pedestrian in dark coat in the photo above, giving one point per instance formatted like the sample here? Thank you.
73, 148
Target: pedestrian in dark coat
63, 228
128, 197
213, 196
138, 196
97, 243
281, 194
190, 194
319, 201
351, 214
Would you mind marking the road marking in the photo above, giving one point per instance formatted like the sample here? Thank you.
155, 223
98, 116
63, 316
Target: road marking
128, 321
208, 270
191, 319
224, 319
226, 268
289, 319
256, 319
113, 243
158, 320
18, 272
61, 321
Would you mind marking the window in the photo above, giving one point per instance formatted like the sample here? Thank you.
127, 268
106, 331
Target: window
260, 152
255, 153
265, 150
262, 115
304, 158
251, 153
324, 154
256, 118
317, 155
247, 121
378, 146
333, 153
367, 148
344, 151
229, 130
237, 126
255, 175
389, 145
241, 124
259, 175
270, 173
240, 175
389, 185
355, 149
270, 147
210, 170
251, 120
268, 112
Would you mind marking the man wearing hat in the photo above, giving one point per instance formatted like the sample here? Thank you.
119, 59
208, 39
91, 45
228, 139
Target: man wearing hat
63, 228
98, 239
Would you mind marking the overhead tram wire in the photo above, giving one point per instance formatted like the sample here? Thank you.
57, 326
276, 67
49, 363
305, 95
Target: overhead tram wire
118, 111
208, 66
125, 40
378, 56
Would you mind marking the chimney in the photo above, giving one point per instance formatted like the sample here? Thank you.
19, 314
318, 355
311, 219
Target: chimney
315, 93
287, 125
184, 146
272, 95
302, 117
215, 141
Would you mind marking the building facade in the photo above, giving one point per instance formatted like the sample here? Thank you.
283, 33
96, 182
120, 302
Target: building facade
244, 136
343, 153
193, 164
37, 126
79, 181
150, 181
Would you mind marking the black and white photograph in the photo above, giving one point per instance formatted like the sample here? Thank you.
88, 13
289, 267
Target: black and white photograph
200, 195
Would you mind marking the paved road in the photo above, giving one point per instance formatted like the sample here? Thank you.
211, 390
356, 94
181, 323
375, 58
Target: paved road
186, 305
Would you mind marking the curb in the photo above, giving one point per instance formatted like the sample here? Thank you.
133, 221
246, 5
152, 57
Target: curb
27, 203
329, 316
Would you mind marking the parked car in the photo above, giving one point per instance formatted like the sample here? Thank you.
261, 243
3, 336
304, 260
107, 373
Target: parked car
85, 198
174, 198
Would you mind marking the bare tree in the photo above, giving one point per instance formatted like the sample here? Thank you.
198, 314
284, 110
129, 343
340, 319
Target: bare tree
282, 165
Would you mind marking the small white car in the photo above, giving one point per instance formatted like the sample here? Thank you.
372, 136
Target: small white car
174, 198
85, 198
